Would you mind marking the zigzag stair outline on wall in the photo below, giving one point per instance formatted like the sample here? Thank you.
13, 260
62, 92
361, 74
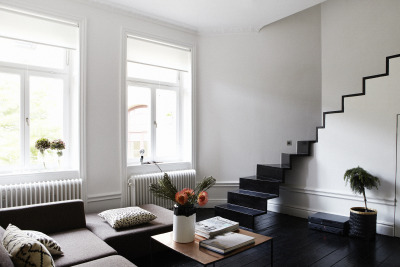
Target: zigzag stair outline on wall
250, 200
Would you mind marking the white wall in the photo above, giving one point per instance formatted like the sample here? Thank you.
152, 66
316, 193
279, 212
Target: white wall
255, 92
103, 110
357, 35
365, 136
356, 38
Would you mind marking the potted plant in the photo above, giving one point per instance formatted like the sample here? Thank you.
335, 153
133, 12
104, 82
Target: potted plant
42, 145
184, 209
58, 145
362, 219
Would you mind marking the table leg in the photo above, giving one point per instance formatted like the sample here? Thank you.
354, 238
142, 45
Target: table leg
272, 252
151, 253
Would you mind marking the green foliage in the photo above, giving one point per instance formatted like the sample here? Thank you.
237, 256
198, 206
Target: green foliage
57, 144
205, 184
42, 144
359, 179
165, 189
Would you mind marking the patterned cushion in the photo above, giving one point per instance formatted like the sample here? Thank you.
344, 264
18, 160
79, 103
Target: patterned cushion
24, 250
52, 246
125, 217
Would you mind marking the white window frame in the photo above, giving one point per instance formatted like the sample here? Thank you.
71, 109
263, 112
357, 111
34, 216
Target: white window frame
153, 86
189, 160
25, 72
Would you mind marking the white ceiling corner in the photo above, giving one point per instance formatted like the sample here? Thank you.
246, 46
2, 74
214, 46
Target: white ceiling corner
213, 16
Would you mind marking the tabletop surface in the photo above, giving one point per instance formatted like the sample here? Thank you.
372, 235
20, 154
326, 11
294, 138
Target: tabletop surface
203, 255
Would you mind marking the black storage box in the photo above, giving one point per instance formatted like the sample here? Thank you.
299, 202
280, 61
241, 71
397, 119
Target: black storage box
329, 223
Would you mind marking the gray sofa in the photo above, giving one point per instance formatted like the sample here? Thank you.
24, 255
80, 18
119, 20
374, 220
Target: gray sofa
133, 242
86, 240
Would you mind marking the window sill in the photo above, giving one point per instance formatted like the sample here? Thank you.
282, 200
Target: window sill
135, 169
37, 176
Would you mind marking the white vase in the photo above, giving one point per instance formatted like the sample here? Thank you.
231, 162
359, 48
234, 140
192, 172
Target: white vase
183, 224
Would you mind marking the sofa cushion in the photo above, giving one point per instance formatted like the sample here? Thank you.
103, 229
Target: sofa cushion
80, 245
115, 260
52, 246
25, 250
127, 217
5, 259
47, 218
133, 242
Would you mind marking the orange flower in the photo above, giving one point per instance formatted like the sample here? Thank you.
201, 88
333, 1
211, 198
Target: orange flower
203, 198
181, 197
189, 192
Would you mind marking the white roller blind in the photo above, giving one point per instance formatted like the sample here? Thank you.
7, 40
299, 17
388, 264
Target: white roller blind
164, 55
36, 29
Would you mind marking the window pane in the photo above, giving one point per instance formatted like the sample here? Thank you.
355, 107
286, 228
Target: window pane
139, 119
152, 73
9, 120
166, 123
31, 54
46, 114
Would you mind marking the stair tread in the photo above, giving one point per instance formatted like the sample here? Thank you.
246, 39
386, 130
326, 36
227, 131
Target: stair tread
240, 209
255, 194
296, 154
261, 178
280, 166
309, 141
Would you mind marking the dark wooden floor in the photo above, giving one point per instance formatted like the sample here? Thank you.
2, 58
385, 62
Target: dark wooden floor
296, 245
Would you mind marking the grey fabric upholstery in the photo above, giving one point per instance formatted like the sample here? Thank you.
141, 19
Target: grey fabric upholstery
79, 246
2, 230
116, 261
133, 242
47, 218
5, 260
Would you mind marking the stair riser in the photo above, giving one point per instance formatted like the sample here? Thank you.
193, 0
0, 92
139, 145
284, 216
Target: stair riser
259, 186
243, 219
247, 201
272, 172
285, 159
303, 147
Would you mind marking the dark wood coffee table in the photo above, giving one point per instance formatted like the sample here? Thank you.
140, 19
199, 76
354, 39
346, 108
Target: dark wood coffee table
203, 255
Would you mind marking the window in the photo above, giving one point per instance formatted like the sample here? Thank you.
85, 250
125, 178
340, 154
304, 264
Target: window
158, 95
37, 91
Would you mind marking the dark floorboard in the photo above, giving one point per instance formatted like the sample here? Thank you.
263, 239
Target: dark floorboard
296, 245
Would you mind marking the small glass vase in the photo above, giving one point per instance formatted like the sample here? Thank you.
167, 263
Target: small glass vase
43, 159
59, 155
184, 223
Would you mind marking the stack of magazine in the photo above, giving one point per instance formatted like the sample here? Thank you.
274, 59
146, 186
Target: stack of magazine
219, 235
227, 242
215, 226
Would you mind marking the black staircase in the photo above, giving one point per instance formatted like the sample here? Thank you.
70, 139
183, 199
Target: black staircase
250, 200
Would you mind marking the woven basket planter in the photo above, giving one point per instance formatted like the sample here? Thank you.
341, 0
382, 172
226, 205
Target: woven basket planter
362, 223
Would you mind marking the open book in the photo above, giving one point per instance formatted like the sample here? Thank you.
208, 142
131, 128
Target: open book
215, 226
227, 242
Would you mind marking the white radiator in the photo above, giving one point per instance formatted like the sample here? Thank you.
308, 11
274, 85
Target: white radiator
139, 186
39, 192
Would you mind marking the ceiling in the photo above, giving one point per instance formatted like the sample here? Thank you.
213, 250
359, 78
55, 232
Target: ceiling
214, 16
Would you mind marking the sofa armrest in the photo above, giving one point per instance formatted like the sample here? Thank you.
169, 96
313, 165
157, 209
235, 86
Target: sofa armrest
47, 218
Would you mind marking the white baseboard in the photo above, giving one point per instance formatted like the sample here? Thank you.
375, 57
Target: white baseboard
383, 228
101, 202
214, 202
